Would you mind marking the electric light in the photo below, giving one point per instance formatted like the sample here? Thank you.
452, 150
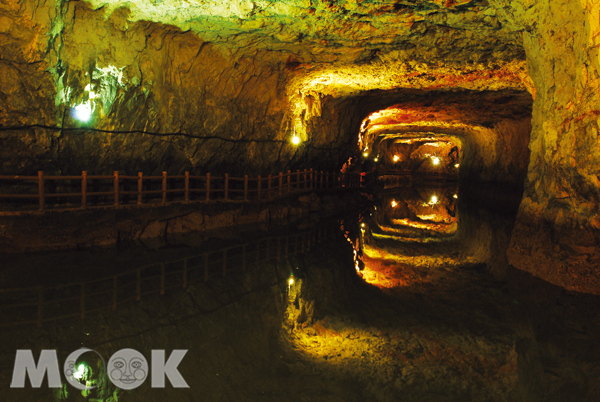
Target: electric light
295, 140
456, 166
433, 200
396, 158
394, 204
435, 160
362, 225
80, 372
291, 281
376, 159
83, 111
365, 154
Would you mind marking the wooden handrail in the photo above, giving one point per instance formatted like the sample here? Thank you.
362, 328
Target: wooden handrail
92, 190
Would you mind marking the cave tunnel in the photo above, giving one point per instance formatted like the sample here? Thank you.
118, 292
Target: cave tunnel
299, 200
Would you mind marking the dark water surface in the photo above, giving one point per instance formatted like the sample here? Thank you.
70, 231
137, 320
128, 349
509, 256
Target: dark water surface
409, 299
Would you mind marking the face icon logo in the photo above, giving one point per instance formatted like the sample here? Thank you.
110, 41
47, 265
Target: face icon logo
128, 369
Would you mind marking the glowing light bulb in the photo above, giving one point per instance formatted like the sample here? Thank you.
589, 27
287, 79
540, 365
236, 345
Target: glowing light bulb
456, 166
396, 158
362, 225
435, 160
295, 140
455, 196
376, 159
394, 204
433, 200
291, 281
80, 372
365, 154
83, 112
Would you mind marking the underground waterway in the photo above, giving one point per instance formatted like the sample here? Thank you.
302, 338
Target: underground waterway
409, 298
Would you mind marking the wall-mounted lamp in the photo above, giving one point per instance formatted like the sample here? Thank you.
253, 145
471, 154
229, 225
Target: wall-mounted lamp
83, 111
295, 140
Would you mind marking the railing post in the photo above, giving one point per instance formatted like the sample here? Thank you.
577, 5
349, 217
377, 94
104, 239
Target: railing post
82, 301
185, 268
164, 188
280, 183
206, 267
312, 179
244, 258
83, 189
245, 187
278, 248
297, 179
269, 187
327, 180
138, 285
226, 186
208, 187
257, 252
41, 190
259, 180
321, 181
162, 278
140, 187
40, 306
116, 187
187, 187
305, 179
289, 182
115, 291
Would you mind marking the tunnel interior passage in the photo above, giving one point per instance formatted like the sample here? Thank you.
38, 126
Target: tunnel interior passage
485, 132
422, 155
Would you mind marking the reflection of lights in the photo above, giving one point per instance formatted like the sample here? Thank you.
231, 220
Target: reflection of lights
455, 196
295, 140
433, 200
396, 158
435, 160
394, 204
78, 375
83, 111
456, 166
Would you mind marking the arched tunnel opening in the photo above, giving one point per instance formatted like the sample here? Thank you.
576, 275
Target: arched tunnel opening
299, 200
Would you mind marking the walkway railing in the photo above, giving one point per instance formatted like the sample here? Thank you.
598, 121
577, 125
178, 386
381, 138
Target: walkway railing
39, 304
44, 192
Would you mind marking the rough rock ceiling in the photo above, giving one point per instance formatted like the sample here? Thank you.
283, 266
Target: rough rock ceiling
345, 30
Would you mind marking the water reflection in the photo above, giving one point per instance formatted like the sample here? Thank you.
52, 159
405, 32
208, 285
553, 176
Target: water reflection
416, 212
285, 316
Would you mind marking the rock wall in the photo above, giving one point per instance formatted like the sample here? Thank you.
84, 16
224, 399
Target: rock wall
557, 232
161, 97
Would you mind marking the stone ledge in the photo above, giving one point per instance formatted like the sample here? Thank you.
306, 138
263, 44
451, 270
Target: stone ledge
563, 255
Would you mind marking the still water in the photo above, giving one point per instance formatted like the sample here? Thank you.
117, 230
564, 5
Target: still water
408, 299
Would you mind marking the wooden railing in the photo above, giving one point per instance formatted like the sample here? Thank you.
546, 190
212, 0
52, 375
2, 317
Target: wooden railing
47, 192
36, 305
